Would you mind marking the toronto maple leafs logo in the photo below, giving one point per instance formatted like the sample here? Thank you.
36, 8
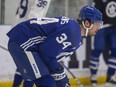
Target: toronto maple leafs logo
42, 3
111, 9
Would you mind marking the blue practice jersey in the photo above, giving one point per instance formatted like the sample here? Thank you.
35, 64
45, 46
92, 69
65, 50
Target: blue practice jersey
52, 37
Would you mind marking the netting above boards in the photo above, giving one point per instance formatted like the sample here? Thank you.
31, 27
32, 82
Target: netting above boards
68, 8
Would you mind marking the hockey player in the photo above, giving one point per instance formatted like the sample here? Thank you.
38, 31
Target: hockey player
107, 35
28, 9
37, 45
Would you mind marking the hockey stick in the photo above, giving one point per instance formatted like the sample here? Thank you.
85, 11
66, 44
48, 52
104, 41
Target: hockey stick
3, 48
77, 81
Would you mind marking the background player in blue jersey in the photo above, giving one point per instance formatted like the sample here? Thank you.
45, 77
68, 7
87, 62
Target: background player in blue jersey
37, 45
106, 36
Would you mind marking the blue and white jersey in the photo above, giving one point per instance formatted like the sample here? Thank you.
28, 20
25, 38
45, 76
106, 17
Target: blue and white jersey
52, 37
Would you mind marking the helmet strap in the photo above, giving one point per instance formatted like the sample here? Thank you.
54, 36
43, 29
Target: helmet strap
87, 29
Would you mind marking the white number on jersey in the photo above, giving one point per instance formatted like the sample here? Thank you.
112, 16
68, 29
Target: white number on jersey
64, 20
22, 8
44, 21
62, 40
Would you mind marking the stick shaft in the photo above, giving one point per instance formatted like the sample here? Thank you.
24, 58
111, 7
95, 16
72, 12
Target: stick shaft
77, 81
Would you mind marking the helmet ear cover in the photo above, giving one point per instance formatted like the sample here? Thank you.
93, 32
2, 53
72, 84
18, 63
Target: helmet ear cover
88, 21
80, 21
87, 28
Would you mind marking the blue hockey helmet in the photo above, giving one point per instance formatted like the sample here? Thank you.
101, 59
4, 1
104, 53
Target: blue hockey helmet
92, 14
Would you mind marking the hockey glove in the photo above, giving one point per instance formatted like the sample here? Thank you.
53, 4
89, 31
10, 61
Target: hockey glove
61, 78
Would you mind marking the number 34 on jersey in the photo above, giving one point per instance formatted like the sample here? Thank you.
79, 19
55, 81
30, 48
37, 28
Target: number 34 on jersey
62, 40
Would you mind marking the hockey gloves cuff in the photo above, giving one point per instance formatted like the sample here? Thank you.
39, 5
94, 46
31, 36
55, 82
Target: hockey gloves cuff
61, 79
